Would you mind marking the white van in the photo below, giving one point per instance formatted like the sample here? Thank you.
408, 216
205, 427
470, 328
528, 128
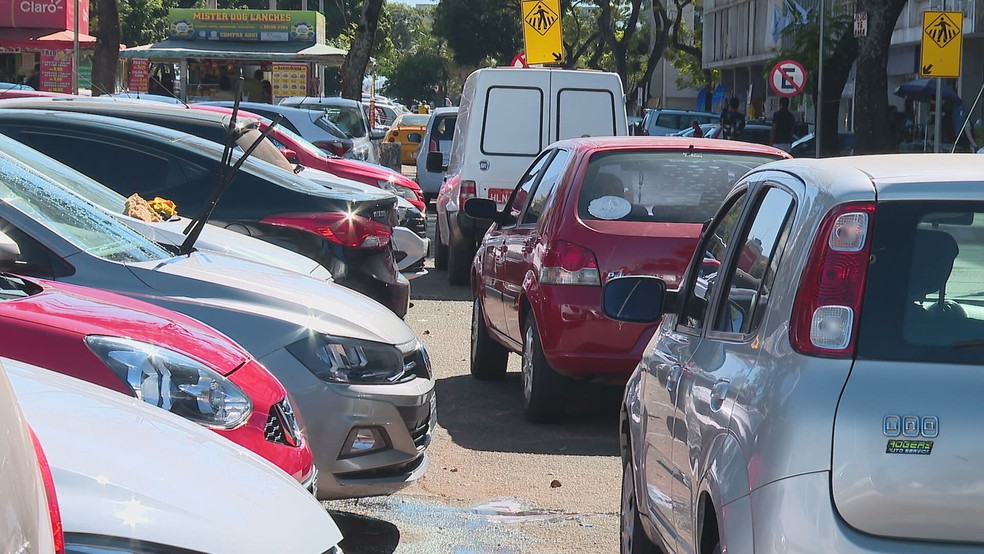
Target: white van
506, 117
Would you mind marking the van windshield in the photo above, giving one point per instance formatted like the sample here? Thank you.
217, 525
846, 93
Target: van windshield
924, 299
667, 186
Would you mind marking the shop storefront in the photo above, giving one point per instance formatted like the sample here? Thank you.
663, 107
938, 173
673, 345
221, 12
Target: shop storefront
278, 53
38, 33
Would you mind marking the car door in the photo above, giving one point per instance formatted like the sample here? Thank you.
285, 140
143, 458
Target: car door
664, 456
519, 243
493, 250
730, 346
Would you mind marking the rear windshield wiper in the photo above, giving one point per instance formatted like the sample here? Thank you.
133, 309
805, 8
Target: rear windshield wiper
969, 344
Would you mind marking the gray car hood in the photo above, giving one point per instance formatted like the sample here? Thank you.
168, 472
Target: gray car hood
289, 302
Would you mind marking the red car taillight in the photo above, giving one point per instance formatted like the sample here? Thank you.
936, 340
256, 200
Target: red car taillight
54, 512
352, 231
828, 302
337, 148
566, 263
466, 191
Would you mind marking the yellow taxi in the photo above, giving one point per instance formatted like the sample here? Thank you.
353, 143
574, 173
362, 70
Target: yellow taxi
408, 129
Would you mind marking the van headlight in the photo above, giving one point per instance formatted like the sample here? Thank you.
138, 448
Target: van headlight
173, 381
344, 360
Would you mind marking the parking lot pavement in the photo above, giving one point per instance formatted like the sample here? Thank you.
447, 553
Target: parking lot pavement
496, 484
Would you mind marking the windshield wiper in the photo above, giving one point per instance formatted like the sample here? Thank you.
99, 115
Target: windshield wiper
227, 171
969, 344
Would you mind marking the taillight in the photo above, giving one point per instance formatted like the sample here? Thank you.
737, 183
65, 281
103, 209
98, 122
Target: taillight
336, 147
348, 230
828, 303
58, 534
566, 263
433, 146
466, 191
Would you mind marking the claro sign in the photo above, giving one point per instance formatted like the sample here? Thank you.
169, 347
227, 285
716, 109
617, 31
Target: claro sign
43, 14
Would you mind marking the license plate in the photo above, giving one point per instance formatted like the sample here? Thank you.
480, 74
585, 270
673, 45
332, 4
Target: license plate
500, 196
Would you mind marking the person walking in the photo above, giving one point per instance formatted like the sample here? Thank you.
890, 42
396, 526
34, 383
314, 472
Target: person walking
783, 122
732, 121
698, 132
34, 81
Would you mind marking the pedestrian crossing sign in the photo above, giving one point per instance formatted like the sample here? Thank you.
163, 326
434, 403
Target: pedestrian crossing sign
542, 32
942, 44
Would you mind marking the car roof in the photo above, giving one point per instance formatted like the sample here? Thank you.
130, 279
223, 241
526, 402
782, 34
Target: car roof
320, 100
888, 170
667, 143
144, 108
443, 111
681, 111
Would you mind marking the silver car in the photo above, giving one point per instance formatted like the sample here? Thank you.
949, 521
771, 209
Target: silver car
359, 376
813, 384
437, 138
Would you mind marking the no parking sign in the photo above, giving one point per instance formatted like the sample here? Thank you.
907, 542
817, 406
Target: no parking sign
788, 78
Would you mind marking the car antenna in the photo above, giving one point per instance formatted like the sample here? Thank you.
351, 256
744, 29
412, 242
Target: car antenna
227, 171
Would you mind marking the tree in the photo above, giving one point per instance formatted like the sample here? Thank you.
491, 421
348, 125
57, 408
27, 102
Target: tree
106, 57
630, 48
415, 77
480, 32
686, 54
871, 123
354, 68
144, 21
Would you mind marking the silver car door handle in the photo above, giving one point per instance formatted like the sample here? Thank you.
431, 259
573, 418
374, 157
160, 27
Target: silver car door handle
673, 377
718, 393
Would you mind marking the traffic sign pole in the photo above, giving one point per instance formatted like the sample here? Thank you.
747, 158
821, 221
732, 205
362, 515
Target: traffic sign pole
938, 119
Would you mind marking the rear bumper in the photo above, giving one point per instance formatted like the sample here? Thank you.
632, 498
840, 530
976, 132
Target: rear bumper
797, 515
579, 341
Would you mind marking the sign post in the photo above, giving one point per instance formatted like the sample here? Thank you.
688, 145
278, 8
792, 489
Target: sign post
542, 32
860, 24
940, 53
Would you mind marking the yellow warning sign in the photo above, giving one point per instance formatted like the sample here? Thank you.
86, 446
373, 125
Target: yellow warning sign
942, 44
542, 32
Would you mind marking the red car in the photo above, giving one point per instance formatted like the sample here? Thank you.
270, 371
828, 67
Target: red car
311, 156
587, 210
162, 357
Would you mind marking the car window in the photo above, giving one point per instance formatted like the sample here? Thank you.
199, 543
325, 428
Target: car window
924, 298
660, 186
544, 189
753, 271
522, 192
703, 281
349, 119
265, 150
444, 128
504, 107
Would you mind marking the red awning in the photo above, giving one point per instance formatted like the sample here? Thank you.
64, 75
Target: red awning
43, 39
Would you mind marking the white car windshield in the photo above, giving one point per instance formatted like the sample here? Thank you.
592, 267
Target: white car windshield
76, 220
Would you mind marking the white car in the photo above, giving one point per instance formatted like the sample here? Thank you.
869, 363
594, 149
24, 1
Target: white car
129, 475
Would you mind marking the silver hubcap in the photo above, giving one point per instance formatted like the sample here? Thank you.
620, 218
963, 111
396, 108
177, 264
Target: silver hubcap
528, 365
628, 512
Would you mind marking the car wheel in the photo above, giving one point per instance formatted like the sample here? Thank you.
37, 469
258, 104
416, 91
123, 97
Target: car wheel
488, 358
544, 390
459, 263
632, 537
440, 250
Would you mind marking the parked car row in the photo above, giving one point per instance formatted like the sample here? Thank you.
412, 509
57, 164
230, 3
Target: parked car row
240, 337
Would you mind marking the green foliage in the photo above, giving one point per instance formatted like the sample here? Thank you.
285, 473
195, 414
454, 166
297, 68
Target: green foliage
415, 77
144, 21
689, 63
480, 32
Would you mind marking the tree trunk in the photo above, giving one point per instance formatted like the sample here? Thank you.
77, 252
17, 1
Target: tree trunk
106, 58
872, 133
357, 59
836, 71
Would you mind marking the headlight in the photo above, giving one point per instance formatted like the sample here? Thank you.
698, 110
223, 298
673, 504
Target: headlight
342, 360
174, 382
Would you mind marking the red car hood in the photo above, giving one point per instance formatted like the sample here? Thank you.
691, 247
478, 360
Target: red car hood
89, 311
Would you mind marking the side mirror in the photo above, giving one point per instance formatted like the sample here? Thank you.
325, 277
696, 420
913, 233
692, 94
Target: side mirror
290, 155
377, 134
435, 162
9, 251
481, 208
634, 299
414, 137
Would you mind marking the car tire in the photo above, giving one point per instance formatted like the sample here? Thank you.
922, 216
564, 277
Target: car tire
488, 358
544, 390
632, 537
459, 263
440, 250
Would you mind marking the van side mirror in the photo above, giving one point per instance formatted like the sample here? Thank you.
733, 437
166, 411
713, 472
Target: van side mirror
414, 137
636, 299
481, 208
9, 251
377, 134
435, 162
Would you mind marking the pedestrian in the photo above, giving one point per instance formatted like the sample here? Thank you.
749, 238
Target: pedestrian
698, 132
783, 122
34, 81
732, 120
253, 88
266, 96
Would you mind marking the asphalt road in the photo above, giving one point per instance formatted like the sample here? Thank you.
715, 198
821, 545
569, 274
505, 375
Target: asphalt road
496, 484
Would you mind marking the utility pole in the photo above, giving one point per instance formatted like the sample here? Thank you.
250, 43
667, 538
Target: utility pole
816, 128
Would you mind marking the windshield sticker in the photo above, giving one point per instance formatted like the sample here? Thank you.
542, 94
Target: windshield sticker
922, 448
609, 207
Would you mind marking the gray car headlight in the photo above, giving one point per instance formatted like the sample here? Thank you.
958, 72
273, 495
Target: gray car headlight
173, 381
343, 360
